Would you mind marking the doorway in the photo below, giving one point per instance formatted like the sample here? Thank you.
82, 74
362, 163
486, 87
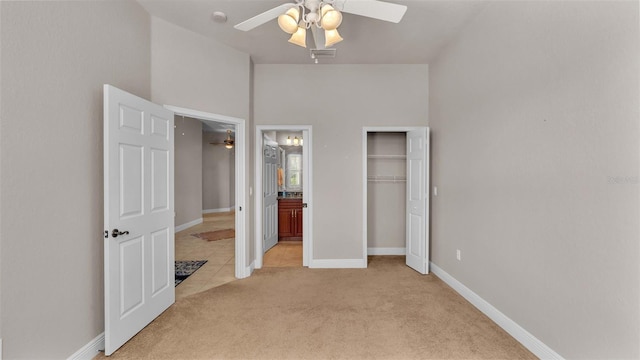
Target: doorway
395, 193
241, 269
283, 172
139, 211
204, 170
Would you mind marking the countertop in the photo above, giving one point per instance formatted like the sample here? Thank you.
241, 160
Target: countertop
296, 197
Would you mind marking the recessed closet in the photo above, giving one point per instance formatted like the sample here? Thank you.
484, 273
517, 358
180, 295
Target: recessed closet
396, 194
386, 190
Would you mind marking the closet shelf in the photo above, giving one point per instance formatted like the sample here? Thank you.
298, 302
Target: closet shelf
387, 156
387, 178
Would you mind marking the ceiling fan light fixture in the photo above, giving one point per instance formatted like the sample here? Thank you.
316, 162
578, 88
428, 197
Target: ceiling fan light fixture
332, 37
299, 37
331, 18
228, 142
288, 21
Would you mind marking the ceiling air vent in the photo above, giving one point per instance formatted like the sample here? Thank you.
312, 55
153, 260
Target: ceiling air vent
322, 54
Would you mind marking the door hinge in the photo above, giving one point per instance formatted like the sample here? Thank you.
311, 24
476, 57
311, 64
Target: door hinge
239, 208
106, 234
304, 205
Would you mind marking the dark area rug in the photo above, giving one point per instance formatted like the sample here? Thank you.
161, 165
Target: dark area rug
216, 235
184, 269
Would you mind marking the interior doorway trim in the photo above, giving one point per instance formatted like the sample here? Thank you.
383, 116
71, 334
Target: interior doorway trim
242, 269
365, 132
307, 190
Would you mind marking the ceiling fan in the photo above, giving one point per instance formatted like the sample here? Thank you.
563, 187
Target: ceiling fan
317, 15
228, 142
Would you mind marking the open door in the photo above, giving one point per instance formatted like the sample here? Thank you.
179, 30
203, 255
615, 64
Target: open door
270, 189
138, 214
417, 200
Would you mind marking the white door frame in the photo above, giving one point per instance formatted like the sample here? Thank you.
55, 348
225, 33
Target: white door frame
242, 269
397, 129
307, 190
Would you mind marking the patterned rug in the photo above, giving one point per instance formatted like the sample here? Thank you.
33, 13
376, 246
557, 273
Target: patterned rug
216, 235
184, 268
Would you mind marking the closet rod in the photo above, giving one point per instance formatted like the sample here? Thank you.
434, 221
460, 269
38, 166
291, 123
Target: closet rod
386, 178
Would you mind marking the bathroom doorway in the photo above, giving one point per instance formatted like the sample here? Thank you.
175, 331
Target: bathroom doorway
283, 205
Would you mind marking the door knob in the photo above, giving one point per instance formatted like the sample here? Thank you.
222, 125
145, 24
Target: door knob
117, 232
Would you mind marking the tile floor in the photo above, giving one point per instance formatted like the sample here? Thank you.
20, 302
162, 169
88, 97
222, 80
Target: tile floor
220, 255
284, 254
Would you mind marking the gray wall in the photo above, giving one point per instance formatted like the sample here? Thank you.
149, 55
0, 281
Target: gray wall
192, 71
534, 112
218, 173
188, 170
386, 201
55, 58
353, 96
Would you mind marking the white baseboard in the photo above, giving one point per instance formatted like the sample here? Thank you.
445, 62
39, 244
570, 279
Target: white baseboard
246, 271
338, 263
386, 251
90, 350
210, 211
188, 225
529, 341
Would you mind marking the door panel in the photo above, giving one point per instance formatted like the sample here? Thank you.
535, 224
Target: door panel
270, 189
159, 185
131, 275
138, 198
131, 170
417, 201
160, 272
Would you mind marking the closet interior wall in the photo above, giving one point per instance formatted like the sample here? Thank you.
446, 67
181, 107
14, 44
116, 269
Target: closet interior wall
386, 193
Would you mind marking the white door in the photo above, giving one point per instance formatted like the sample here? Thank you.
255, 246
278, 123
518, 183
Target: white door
417, 200
138, 214
270, 200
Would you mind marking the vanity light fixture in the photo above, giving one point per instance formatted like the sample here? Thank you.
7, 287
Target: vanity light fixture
294, 142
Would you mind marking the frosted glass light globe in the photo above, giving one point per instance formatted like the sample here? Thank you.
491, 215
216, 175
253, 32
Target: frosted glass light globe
331, 18
288, 21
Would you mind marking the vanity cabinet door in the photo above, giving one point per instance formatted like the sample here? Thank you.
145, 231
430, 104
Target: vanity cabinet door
290, 219
298, 221
285, 223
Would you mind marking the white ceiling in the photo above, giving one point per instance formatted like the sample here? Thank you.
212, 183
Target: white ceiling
426, 27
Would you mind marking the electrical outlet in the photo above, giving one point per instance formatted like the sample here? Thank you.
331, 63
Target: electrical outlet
459, 255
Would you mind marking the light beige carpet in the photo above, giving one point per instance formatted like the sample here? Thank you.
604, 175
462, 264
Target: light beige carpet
387, 311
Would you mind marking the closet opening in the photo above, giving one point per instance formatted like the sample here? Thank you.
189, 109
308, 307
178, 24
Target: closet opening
386, 189
396, 194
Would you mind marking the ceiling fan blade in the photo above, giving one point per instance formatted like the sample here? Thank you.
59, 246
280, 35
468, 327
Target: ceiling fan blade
374, 9
266, 16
